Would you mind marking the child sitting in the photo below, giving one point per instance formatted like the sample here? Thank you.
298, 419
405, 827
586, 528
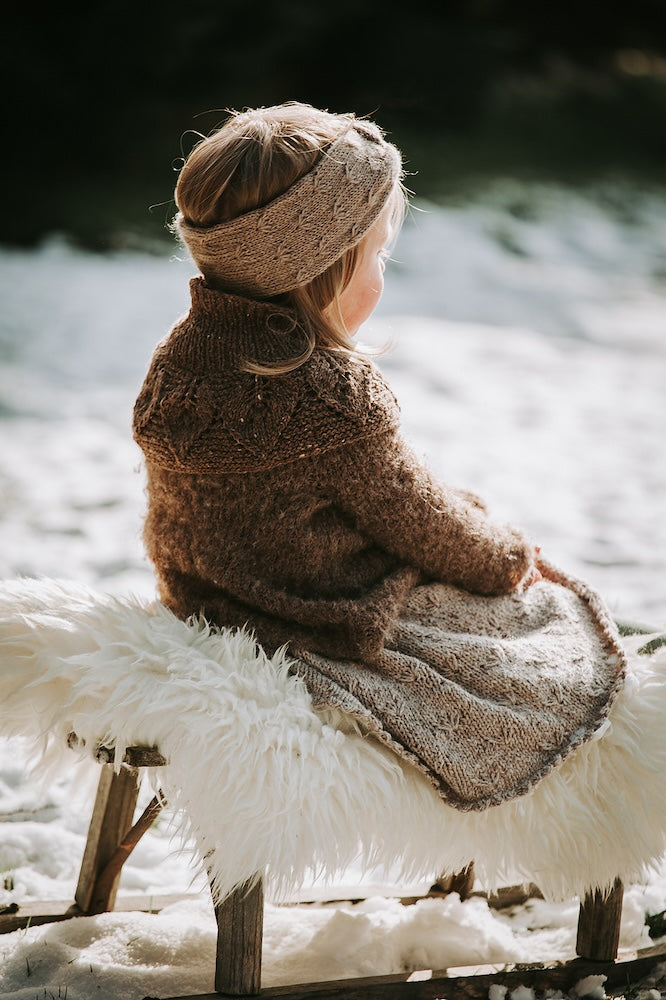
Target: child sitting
282, 496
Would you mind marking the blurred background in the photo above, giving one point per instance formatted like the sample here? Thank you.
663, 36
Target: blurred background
100, 97
526, 302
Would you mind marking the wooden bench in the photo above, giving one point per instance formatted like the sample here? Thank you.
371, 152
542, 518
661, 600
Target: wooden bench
113, 834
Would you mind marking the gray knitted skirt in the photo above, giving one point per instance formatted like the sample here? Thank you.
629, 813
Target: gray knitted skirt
483, 694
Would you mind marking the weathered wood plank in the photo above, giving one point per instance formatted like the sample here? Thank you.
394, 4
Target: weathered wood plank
134, 756
461, 882
108, 878
510, 895
40, 912
503, 898
599, 924
468, 984
240, 922
50, 911
111, 819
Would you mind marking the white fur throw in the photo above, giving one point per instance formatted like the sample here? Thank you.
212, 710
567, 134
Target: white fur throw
264, 783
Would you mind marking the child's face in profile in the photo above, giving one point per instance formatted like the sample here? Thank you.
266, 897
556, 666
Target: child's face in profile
364, 291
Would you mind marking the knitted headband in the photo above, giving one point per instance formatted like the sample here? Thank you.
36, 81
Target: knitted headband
299, 234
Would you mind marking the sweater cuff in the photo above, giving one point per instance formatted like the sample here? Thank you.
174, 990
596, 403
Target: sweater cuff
516, 559
470, 498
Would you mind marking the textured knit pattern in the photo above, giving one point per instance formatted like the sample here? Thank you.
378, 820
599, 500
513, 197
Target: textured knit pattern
291, 504
298, 235
484, 695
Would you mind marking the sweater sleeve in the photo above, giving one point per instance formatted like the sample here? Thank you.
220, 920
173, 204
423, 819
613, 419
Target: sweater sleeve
393, 498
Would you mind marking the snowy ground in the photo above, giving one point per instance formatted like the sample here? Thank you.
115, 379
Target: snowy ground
129, 956
530, 355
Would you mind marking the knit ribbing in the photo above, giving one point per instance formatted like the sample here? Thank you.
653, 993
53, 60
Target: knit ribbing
298, 235
224, 332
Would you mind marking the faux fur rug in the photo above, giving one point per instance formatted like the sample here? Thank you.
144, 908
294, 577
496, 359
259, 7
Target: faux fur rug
262, 782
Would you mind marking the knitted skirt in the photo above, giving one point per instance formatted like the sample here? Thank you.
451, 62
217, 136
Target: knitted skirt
485, 695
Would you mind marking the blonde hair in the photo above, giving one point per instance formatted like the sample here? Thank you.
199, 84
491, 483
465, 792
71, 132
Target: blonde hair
247, 163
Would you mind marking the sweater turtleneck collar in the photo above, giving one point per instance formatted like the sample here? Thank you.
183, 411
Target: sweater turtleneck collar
199, 412
222, 331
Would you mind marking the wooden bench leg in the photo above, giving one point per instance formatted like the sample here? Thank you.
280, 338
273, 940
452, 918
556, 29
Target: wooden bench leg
111, 819
240, 924
461, 882
599, 925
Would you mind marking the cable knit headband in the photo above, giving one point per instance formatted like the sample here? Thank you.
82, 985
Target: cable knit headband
299, 234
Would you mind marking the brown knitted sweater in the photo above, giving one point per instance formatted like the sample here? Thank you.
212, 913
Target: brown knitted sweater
290, 503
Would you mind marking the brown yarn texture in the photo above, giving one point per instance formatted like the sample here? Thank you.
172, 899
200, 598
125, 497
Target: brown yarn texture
298, 235
292, 504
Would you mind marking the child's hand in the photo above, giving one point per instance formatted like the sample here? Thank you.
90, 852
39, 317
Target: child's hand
532, 577
533, 574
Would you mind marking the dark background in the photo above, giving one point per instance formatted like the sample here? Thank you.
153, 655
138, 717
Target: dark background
102, 100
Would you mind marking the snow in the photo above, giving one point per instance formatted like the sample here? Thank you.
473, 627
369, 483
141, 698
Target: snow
530, 352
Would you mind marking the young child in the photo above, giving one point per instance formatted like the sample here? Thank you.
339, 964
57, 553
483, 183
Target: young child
282, 497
